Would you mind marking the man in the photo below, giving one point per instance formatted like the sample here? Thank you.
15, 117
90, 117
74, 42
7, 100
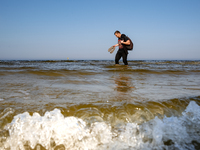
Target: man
122, 52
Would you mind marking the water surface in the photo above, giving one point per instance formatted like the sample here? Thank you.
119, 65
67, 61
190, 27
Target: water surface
92, 104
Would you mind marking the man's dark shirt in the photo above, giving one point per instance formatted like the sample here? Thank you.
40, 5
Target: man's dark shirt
122, 46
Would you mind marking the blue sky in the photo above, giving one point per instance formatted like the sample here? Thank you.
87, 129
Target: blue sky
47, 29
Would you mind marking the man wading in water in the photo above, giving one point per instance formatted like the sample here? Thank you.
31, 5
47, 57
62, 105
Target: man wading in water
123, 40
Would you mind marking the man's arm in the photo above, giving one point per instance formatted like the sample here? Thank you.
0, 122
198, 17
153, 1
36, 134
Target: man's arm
126, 43
116, 45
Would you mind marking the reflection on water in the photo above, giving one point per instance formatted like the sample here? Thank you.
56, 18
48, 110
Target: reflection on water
123, 83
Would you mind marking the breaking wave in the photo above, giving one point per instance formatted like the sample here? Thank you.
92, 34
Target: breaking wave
55, 131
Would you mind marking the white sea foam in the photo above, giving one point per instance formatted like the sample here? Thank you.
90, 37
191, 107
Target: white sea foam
74, 133
24, 92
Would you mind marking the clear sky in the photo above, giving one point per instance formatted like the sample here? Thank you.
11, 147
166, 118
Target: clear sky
84, 29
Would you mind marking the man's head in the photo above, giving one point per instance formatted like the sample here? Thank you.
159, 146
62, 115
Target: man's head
117, 34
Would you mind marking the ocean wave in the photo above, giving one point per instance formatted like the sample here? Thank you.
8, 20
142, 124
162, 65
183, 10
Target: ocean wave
98, 66
53, 130
78, 71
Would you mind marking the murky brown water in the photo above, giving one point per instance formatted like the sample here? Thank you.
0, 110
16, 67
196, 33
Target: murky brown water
96, 105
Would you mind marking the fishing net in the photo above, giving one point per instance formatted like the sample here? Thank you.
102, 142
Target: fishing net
111, 49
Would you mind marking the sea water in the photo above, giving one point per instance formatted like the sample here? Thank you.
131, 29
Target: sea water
95, 105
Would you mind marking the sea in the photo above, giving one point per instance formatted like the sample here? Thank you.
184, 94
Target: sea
95, 105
